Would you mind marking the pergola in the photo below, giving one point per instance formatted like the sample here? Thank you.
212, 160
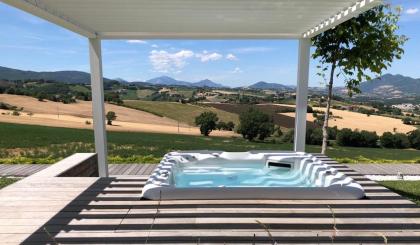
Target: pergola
194, 19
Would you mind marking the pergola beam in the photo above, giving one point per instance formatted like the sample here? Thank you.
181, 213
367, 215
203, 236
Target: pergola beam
196, 36
341, 17
36, 8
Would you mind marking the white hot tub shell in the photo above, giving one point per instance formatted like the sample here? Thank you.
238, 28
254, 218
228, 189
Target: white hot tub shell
303, 176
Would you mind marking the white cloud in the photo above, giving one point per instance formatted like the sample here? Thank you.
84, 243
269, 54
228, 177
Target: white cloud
163, 61
137, 41
412, 11
154, 46
231, 57
206, 56
236, 70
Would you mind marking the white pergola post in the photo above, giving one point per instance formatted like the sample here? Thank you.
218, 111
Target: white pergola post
98, 106
302, 94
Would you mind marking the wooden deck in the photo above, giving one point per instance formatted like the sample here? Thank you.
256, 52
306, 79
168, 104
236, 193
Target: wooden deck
23, 170
77, 210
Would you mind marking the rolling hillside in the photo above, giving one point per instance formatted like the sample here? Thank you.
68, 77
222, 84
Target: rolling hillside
59, 76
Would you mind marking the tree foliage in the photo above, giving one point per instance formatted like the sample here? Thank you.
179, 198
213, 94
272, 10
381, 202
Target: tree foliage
207, 122
414, 137
357, 48
110, 116
254, 123
397, 140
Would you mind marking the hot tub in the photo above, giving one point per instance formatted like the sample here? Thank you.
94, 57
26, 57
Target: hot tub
247, 175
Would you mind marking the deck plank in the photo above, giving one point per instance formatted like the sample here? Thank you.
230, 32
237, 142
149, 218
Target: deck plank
109, 210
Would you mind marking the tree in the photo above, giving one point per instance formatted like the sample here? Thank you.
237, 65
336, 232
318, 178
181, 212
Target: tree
221, 125
406, 120
363, 45
254, 123
110, 116
230, 126
414, 138
41, 96
207, 122
397, 140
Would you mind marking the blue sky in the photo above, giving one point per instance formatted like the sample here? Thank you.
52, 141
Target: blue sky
29, 43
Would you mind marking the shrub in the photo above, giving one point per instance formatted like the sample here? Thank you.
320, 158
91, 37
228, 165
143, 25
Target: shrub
332, 133
207, 122
414, 138
310, 109
347, 137
277, 131
407, 120
230, 126
397, 140
221, 125
15, 113
314, 136
289, 136
368, 139
254, 123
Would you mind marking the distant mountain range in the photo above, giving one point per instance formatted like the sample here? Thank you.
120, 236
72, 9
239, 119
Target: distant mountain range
265, 85
387, 86
165, 80
77, 77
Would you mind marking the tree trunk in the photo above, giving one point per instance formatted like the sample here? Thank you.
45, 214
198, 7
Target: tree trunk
327, 111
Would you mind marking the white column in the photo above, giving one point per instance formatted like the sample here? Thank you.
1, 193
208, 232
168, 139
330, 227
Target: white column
302, 94
98, 106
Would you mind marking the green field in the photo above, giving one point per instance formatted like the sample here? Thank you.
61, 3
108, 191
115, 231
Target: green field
409, 189
185, 113
40, 144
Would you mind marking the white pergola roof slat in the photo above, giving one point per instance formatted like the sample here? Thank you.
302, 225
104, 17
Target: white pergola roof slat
215, 19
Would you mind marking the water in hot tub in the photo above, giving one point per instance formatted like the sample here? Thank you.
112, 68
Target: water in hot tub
238, 174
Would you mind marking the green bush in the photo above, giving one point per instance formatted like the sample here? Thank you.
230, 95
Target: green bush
221, 125
414, 138
207, 122
289, 136
347, 137
332, 133
254, 123
314, 136
230, 126
368, 139
397, 140
407, 120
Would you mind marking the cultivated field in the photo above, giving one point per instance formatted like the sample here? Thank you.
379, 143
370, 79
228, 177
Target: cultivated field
354, 120
274, 110
40, 144
75, 115
184, 113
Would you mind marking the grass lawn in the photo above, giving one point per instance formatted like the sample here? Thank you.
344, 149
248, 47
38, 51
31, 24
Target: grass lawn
181, 112
40, 144
7, 181
409, 189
